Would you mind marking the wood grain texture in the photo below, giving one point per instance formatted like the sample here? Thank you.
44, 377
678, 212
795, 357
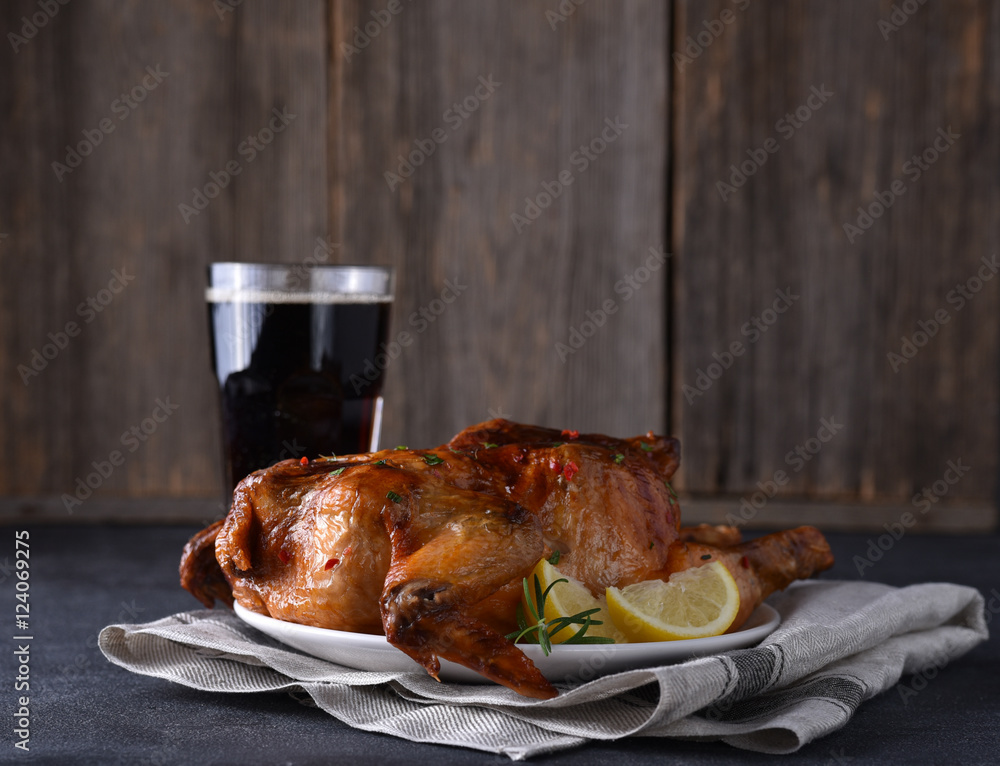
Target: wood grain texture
845, 517
115, 212
281, 69
556, 84
220, 76
827, 356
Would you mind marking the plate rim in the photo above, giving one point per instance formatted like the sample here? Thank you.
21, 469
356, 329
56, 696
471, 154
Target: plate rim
767, 617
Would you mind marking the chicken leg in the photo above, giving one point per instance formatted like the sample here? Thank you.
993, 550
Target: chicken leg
760, 567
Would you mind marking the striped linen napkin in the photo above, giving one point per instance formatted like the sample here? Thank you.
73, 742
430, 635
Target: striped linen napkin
838, 644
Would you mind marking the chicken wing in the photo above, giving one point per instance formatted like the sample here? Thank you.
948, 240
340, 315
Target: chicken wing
452, 548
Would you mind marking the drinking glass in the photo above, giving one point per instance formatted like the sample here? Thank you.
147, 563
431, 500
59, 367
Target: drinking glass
293, 348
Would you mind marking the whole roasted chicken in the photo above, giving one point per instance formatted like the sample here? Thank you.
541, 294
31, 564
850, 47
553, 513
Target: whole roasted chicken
430, 547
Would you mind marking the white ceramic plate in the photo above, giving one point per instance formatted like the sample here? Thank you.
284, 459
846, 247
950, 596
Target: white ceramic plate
581, 662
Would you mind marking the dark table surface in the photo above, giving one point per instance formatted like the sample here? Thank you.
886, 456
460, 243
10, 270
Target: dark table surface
85, 710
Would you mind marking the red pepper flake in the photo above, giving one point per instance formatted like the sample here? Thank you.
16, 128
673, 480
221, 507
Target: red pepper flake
745, 562
304, 461
518, 457
574, 434
554, 465
331, 564
570, 470
283, 555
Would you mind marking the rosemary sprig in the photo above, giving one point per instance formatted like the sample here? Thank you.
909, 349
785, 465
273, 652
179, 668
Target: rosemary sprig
542, 631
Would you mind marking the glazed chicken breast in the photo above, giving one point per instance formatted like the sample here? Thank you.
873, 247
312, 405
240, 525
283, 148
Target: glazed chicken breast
430, 547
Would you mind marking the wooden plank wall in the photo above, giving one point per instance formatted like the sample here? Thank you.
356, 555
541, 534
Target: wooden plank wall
219, 76
497, 102
512, 98
68, 233
870, 90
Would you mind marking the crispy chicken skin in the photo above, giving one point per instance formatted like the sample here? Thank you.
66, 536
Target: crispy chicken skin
200, 572
430, 547
721, 536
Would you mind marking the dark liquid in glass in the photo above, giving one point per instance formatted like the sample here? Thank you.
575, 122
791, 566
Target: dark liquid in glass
296, 379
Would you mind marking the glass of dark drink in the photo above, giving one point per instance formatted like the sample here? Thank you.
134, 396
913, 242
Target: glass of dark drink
293, 349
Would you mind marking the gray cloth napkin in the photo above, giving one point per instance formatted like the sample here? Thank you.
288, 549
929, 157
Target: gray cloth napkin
839, 643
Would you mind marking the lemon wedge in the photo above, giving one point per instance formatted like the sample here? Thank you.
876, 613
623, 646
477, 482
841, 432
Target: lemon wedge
567, 599
694, 603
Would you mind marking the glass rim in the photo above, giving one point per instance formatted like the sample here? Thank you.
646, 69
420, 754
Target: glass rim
245, 282
301, 265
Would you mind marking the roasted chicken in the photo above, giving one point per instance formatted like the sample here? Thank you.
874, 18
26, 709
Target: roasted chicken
430, 547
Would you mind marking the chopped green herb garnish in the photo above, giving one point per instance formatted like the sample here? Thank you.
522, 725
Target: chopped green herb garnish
673, 495
554, 558
394, 497
401, 446
557, 444
619, 458
338, 471
650, 545
379, 462
489, 445
328, 457
706, 557
646, 447
432, 459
